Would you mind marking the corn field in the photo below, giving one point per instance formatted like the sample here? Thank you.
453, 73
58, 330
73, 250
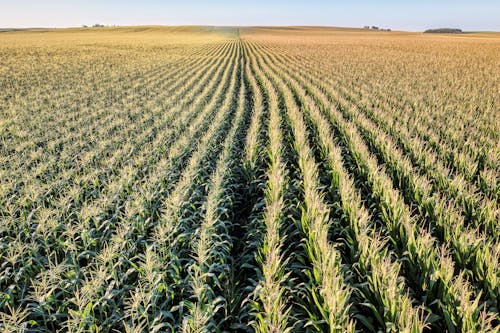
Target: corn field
198, 179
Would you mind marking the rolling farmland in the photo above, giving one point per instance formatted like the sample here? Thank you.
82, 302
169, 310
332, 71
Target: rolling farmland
197, 179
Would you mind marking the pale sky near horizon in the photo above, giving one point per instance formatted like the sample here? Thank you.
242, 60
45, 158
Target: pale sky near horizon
480, 15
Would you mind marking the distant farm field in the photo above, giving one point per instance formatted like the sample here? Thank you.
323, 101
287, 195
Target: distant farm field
202, 179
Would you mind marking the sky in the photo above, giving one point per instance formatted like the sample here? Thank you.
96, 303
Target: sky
480, 15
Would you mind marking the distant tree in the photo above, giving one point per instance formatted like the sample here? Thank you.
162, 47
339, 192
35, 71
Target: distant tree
366, 27
84, 26
97, 25
374, 27
443, 31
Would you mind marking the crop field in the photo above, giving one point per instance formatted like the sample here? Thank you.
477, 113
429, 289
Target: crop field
200, 179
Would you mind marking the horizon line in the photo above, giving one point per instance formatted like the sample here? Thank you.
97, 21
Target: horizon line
381, 29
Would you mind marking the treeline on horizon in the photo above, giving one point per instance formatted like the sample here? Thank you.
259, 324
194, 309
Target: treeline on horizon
444, 31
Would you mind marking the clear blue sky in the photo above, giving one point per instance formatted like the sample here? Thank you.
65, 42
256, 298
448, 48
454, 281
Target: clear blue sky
402, 14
